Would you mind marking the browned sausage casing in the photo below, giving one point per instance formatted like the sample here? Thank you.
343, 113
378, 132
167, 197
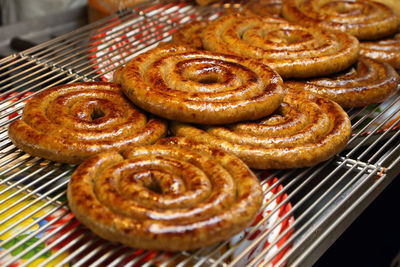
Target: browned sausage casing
69, 123
190, 34
367, 20
306, 130
386, 50
264, 8
166, 196
180, 83
370, 81
292, 50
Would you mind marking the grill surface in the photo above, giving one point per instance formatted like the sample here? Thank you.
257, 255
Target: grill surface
311, 207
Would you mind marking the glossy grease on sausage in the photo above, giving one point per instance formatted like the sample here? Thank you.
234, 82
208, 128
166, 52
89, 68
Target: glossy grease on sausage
305, 130
168, 196
180, 83
292, 50
72, 122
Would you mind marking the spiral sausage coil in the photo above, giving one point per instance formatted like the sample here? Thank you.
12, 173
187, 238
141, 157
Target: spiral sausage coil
190, 34
370, 81
292, 50
72, 122
264, 8
306, 130
187, 85
174, 195
367, 20
387, 50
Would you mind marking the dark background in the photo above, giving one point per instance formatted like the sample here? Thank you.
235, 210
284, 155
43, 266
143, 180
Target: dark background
373, 239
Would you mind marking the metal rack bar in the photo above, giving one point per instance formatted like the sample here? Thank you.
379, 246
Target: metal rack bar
341, 222
327, 206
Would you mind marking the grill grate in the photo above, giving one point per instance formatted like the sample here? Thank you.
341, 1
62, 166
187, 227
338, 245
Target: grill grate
307, 209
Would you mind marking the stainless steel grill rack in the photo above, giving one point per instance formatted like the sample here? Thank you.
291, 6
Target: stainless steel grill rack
311, 207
